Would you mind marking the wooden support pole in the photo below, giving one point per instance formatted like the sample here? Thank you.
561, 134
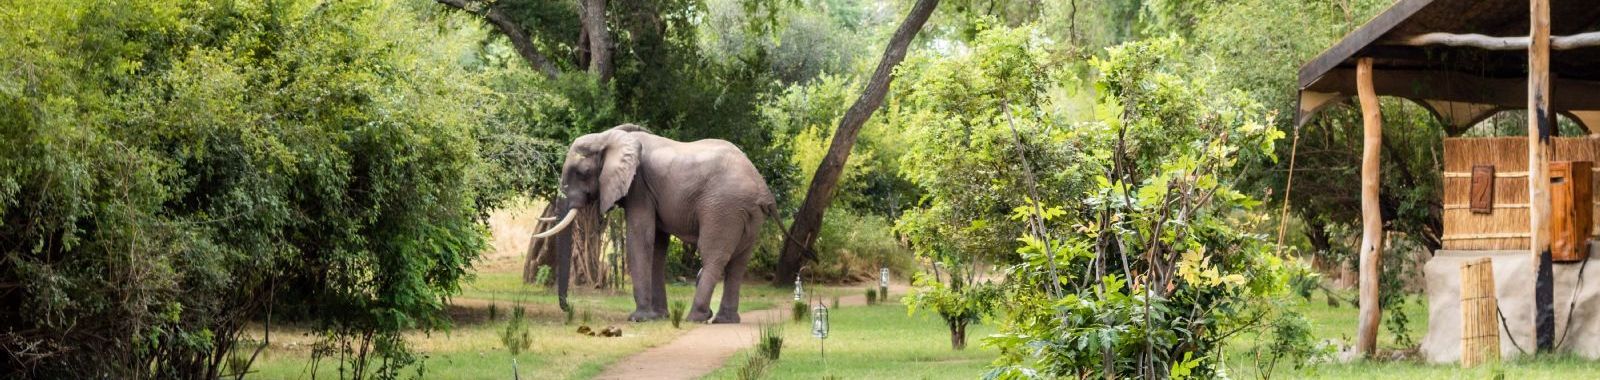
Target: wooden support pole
1371, 214
1480, 323
1540, 128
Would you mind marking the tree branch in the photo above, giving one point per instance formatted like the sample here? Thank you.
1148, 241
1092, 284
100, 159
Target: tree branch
519, 39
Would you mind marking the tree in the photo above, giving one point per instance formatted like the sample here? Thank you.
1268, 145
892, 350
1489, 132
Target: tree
819, 195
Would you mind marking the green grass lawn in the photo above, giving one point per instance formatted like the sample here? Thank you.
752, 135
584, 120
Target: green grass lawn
875, 342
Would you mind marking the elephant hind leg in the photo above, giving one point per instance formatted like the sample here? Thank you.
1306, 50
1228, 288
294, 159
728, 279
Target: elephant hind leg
728, 311
701, 311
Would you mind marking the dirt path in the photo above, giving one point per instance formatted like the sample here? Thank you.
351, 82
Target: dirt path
707, 347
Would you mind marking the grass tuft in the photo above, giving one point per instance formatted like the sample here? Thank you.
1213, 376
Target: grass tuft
754, 367
800, 311
676, 313
771, 344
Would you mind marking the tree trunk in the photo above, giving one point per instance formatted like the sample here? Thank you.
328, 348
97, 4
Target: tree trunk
592, 14
958, 335
819, 195
1372, 237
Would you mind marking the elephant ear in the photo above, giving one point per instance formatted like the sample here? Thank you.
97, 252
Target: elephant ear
621, 163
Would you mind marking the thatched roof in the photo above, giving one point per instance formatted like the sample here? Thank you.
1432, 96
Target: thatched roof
1461, 85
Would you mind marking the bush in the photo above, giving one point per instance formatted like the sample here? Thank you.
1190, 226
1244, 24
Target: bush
172, 169
872, 296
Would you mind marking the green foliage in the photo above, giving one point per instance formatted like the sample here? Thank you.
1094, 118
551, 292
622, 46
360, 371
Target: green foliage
771, 344
872, 296
516, 336
1174, 266
175, 168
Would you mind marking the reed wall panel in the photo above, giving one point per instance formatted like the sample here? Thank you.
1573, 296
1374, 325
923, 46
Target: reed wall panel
1509, 155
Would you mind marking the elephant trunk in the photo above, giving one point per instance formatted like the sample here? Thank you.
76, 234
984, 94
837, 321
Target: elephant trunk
563, 247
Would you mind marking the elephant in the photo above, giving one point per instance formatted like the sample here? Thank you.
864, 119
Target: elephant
706, 193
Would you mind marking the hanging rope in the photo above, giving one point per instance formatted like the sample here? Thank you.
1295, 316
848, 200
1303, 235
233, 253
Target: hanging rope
1283, 217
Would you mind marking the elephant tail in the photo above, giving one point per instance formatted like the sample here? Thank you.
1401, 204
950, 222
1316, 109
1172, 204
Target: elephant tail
771, 210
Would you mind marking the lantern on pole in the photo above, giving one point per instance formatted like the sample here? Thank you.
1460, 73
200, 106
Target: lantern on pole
883, 282
819, 321
799, 293
819, 329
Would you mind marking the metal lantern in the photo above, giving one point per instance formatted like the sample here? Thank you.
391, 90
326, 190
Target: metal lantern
819, 321
799, 293
883, 277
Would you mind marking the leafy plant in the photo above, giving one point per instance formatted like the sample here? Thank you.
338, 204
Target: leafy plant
872, 296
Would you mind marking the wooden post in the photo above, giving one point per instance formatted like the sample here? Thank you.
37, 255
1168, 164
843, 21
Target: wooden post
1540, 128
1480, 327
1371, 214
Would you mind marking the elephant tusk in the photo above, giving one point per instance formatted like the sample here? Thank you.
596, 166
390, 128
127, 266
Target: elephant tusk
548, 219
571, 213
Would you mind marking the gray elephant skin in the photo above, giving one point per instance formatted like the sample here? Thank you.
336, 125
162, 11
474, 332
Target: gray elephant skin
706, 193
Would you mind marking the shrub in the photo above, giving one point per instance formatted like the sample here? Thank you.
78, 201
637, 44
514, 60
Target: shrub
771, 344
872, 296
171, 169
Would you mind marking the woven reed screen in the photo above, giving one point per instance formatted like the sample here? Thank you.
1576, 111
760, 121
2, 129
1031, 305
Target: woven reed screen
1506, 226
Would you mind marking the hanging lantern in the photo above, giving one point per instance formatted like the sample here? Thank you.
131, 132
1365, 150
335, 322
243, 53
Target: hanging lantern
819, 321
799, 293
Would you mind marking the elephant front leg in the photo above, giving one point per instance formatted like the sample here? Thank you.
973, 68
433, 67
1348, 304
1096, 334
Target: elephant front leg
658, 275
641, 238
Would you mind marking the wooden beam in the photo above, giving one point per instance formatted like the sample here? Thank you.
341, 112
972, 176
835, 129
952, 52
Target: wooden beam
1540, 129
1371, 213
1473, 40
